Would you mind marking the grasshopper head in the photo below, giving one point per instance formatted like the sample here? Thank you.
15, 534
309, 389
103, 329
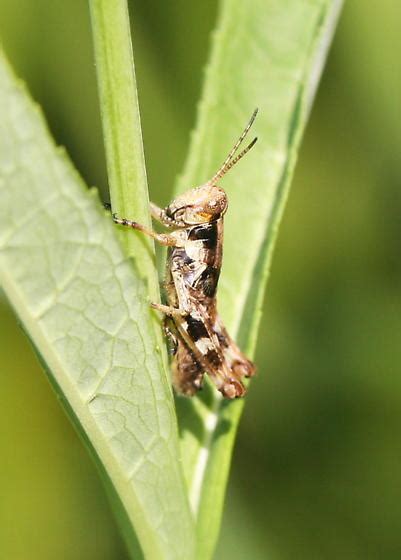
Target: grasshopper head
201, 205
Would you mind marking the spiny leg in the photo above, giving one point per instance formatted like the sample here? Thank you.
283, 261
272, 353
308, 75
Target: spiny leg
162, 238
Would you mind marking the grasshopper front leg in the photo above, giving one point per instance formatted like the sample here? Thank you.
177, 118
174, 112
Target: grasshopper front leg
169, 240
162, 238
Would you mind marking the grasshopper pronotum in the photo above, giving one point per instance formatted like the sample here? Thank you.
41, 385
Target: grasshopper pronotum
202, 344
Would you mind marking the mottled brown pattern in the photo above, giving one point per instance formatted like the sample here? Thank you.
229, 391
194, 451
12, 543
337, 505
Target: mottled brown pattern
192, 273
187, 372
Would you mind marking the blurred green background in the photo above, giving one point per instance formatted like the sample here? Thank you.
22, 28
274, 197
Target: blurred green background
317, 465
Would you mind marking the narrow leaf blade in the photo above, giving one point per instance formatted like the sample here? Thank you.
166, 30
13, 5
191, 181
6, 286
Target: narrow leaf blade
266, 54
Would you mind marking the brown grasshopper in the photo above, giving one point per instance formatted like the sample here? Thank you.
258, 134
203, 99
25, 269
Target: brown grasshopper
202, 344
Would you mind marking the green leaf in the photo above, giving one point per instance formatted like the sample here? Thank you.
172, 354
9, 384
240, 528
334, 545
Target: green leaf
266, 54
85, 307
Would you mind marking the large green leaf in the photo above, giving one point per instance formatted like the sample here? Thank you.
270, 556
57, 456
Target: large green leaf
86, 310
267, 54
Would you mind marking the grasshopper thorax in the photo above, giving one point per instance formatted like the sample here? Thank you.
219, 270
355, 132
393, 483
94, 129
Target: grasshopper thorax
203, 204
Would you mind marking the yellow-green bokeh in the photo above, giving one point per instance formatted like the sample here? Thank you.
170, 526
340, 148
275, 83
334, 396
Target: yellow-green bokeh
317, 466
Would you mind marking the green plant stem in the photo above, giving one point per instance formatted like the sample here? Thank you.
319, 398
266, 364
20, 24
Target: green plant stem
122, 128
124, 153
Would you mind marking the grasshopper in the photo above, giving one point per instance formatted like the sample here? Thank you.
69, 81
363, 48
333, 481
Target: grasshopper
201, 342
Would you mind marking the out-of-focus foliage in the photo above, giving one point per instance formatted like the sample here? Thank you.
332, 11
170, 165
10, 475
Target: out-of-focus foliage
316, 470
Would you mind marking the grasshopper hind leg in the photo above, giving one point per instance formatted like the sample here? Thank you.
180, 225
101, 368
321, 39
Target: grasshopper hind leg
187, 372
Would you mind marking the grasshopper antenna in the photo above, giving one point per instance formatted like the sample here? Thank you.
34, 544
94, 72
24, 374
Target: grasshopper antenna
229, 162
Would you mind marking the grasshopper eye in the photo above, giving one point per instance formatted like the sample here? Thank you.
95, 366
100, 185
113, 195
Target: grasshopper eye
218, 204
